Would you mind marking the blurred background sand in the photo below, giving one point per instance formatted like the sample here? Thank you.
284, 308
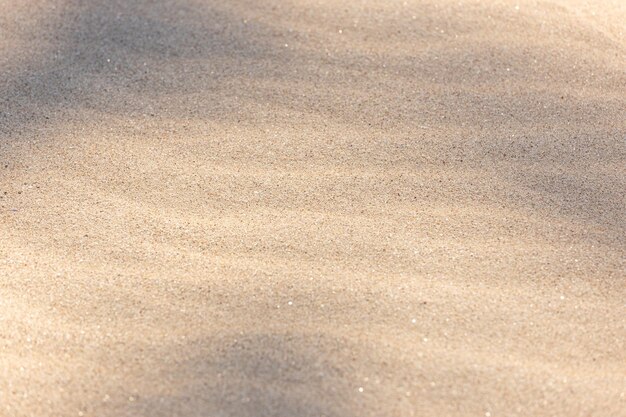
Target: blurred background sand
312, 208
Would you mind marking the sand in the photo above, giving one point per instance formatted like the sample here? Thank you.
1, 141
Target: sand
312, 208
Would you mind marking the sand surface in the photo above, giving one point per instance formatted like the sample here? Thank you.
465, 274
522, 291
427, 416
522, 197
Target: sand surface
312, 208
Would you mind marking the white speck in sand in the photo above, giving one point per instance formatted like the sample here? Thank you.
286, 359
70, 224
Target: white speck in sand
360, 389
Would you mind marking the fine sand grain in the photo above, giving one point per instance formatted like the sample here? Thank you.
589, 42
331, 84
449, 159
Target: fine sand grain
312, 208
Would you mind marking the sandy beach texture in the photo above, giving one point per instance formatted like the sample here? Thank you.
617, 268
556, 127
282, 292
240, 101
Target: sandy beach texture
312, 208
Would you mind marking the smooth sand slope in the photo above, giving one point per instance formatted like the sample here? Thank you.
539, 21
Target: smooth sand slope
312, 208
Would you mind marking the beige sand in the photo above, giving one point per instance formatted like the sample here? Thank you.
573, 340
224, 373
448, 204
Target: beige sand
312, 208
